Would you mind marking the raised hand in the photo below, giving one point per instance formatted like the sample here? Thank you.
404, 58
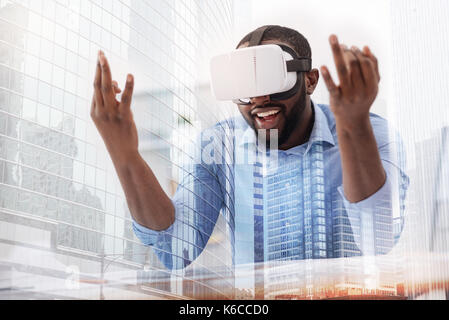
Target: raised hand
358, 72
147, 201
351, 101
113, 118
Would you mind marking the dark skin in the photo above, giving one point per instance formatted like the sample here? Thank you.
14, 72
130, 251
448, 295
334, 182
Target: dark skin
350, 101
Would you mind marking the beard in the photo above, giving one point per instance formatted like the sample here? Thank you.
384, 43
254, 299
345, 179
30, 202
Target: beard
292, 120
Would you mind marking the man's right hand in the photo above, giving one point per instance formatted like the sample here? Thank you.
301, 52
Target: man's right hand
149, 204
113, 118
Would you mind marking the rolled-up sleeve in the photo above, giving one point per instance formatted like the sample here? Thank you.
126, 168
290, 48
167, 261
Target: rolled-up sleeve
197, 204
198, 201
147, 236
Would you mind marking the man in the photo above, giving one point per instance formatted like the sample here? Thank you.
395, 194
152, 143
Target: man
337, 158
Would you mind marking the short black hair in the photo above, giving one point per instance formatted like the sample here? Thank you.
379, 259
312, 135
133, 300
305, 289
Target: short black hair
292, 37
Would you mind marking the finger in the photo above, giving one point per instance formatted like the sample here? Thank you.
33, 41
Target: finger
92, 108
345, 49
333, 89
97, 86
127, 93
368, 70
355, 69
367, 52
117, 90
106, 82
339, 60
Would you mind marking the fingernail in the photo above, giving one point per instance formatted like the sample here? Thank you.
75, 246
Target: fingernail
129, 78
333, 39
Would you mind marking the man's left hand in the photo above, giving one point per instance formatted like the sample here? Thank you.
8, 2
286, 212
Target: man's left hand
358, 72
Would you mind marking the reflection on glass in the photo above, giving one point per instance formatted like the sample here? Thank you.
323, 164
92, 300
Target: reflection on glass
62, 207
66, 231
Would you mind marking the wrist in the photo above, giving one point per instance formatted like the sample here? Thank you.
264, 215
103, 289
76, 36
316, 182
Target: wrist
124, 157
354, 125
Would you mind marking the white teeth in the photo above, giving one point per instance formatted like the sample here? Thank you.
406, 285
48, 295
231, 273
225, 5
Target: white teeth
268, 113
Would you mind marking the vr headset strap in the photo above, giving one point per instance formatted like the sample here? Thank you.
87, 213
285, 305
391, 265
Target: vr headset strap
257, 36
299, 65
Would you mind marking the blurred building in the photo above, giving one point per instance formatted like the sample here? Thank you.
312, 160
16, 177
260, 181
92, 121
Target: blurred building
419, 111
64, 222
294, 220
427, 226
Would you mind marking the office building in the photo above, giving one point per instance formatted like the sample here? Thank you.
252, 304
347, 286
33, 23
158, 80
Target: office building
419, 111
301, 224
64, 222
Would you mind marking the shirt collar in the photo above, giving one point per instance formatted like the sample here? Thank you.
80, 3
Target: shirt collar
320, 132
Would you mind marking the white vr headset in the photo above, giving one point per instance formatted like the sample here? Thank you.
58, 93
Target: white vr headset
257, 70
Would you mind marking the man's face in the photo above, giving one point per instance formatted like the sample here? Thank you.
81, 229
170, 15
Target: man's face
283, 116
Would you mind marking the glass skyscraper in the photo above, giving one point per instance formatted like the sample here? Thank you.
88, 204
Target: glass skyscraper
65, 229
64, 222
295, 219
421, 115
301, 221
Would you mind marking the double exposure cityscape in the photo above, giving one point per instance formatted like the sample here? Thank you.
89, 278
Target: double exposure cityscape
65, 228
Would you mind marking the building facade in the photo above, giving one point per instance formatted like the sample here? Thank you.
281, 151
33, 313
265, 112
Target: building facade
419, 111
301, 223
64, 222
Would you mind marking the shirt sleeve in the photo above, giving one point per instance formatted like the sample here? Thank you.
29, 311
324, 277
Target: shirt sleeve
197, 202
377, 221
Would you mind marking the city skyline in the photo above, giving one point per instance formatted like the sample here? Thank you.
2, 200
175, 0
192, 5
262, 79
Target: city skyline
66, 230
57, 180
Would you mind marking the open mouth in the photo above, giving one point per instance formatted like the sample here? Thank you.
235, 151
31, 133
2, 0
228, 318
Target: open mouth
267, 119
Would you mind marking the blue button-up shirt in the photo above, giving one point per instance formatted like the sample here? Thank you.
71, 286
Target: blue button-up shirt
280, 205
